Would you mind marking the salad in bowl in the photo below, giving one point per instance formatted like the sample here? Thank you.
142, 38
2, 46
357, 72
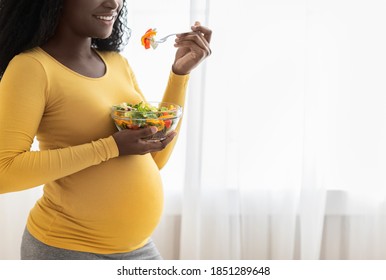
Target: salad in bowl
163, 115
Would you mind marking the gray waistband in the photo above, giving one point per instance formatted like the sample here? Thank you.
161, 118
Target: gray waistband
33, 249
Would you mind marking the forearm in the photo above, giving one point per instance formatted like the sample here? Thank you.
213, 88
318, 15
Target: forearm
23, 170
175, 93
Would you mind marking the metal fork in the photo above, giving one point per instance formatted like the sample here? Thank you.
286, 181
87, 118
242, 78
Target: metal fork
162, 40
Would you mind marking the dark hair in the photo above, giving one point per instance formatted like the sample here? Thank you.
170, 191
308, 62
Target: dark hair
25, 24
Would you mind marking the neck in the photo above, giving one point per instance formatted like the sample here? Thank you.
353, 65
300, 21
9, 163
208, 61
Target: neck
68, 48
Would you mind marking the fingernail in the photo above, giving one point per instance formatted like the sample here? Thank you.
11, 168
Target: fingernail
153, 129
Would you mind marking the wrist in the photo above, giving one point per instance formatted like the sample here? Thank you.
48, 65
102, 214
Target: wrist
179, 72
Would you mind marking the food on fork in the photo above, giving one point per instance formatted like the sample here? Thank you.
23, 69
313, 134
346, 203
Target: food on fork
148, 40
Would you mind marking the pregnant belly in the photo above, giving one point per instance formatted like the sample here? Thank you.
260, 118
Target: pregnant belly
112, 207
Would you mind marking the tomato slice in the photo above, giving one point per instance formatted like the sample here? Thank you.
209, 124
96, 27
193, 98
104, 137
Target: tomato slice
168, 123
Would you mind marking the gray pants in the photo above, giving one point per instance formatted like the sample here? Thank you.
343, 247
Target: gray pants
33, 249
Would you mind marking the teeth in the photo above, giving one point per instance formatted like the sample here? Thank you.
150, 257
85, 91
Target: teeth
105, 17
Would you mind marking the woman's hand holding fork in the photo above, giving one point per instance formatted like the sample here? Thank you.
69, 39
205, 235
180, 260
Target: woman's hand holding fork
192, 49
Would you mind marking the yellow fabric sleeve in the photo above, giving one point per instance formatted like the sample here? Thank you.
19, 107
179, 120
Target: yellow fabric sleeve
24, 93
175, 92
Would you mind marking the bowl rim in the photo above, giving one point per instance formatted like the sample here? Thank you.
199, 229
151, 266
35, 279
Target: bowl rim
129, 118
178, 110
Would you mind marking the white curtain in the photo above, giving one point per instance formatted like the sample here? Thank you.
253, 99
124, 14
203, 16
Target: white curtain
282, 152
285, 134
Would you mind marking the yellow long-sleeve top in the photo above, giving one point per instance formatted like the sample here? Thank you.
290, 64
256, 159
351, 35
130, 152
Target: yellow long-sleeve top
94, 200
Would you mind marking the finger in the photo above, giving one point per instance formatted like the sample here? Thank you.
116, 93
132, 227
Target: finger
197, 39
199, 29
184, 33
144, 132
194, 36
162, 144
156, 146
193, 33
169, 138
206, 32
192, 46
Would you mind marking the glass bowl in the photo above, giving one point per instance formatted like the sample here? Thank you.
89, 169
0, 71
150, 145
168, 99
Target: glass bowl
163, 115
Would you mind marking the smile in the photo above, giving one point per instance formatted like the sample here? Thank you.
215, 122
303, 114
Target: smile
106, 17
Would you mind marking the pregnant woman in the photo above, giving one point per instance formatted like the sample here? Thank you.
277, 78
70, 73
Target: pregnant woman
61, 71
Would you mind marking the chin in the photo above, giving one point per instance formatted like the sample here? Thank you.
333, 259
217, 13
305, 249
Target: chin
102, 35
